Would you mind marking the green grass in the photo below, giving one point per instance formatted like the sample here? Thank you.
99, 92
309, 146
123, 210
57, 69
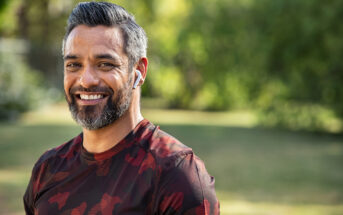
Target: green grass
257, 170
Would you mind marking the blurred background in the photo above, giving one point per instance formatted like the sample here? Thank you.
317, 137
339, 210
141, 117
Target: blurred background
254, 87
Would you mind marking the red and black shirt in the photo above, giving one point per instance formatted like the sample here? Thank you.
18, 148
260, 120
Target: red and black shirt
148, 172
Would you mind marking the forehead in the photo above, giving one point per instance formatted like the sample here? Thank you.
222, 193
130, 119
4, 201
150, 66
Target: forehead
94, 40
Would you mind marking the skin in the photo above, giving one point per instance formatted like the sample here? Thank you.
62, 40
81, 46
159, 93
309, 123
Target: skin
95, 56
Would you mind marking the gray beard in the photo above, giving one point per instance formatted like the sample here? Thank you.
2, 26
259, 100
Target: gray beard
92, 117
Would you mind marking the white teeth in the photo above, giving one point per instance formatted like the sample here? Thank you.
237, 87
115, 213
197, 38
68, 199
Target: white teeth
90, 97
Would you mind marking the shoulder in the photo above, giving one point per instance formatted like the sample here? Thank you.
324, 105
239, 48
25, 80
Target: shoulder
164, 145
184, 184
46, 165
166, 149
65, 150
172, 156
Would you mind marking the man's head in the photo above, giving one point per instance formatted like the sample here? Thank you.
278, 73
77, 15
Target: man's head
102, 47
108, 14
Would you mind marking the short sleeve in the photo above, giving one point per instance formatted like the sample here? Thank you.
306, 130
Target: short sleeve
29, 199
187, 188
29, 196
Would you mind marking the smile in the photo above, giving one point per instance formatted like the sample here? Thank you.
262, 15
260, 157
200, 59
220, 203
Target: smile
91, 97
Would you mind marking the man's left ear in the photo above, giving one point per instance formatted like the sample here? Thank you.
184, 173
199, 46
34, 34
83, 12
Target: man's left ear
142, 67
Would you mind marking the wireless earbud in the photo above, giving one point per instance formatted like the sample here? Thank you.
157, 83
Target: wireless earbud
138, 79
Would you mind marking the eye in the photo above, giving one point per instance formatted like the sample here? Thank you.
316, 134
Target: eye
73, 66
106, 66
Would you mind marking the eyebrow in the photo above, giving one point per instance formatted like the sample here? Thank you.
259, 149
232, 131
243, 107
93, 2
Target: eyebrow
99, 56
106, 56
70, 57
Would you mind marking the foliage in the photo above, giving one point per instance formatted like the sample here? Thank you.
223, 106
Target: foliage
297, 116
214, 55
304, 51
19, 87
3, 4
236, 54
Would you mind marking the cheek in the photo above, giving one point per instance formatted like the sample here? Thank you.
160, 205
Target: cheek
68, 82
116, 81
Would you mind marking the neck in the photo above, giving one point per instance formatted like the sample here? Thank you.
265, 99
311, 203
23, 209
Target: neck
100, 140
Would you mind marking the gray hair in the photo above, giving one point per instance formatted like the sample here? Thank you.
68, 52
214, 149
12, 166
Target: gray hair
108, 14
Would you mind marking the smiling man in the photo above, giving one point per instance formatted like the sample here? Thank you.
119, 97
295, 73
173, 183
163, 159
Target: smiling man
121, 163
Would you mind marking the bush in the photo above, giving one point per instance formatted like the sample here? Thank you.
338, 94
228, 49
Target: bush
300, 116
20, 87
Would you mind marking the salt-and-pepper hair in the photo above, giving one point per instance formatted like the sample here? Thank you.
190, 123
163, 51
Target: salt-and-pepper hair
108, 14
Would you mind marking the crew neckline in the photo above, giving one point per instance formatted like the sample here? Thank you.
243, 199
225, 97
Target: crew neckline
129, 138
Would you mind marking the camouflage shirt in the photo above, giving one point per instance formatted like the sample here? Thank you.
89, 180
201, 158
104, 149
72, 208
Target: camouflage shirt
148, 172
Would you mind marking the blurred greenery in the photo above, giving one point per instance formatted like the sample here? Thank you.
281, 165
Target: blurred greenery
258, 170
280, 57
19, 86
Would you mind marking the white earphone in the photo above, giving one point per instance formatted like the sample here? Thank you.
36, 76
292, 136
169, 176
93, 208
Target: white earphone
138, 79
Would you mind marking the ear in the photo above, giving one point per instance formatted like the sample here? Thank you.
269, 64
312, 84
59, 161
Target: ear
142, 66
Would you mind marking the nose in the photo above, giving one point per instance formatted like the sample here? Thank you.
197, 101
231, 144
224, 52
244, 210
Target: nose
88, 77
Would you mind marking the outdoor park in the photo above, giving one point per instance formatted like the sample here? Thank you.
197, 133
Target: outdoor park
254, 87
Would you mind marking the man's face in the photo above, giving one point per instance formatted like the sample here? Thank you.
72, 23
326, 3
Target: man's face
97, 80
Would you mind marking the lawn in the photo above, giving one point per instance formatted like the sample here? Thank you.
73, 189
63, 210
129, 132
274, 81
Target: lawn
258, 171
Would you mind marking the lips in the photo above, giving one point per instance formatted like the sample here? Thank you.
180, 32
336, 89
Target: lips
91, 97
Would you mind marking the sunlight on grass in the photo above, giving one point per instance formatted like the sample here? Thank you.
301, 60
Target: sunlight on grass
12, 187
13, 177
237, 118
59, 114
233, 206
249, 208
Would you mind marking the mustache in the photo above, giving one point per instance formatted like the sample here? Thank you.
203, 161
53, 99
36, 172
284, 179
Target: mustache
95, 89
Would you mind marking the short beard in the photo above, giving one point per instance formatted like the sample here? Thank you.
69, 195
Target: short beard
91, 118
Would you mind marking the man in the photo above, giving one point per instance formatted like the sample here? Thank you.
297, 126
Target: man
121, 163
